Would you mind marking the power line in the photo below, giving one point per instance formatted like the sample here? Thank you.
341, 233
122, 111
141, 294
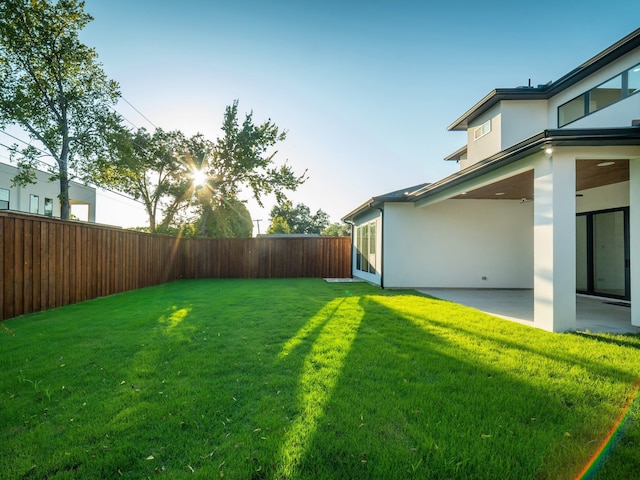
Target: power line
141, 114
45, 164
125, 118
26, 143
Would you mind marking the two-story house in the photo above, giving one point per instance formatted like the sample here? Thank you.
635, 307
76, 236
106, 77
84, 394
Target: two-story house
41, 198
547, 197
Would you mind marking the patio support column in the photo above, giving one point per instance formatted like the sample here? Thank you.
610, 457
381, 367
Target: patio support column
634, 238
554, 243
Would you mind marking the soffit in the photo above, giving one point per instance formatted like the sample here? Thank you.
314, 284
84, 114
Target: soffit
518, 187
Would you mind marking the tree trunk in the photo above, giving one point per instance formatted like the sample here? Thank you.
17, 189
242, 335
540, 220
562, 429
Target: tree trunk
205, 218
63, 165
152, 217
65, 207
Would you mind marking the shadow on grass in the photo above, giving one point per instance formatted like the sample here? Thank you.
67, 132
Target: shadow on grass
322, 383
409, 400
626, 340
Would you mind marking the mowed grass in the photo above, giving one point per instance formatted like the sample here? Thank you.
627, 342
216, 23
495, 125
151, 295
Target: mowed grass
299, 379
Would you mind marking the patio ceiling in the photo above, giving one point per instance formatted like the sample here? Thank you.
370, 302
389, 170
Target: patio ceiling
588, 175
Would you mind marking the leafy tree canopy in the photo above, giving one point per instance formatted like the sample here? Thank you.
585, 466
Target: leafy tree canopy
191, 179
230, 219
52, 86
337, 230
298, 219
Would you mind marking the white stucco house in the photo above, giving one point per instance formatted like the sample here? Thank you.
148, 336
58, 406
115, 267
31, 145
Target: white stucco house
41, 198
547, 197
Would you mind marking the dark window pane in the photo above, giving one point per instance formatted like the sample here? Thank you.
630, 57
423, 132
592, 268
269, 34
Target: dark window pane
605, 94
48, 207
634, 79
571, 111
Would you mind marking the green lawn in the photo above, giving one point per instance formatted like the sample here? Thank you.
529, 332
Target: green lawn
300, 379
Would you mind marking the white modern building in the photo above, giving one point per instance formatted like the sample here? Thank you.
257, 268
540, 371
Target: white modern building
547, 197
41, 198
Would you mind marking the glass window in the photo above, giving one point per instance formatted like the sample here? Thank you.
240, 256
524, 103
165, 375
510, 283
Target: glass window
359, 248
48, 207
609, 253
365, 248
34, 203
571, 111
605, 94
482, 130
4, 199
372, 248
366, 258
634, 79
582, 263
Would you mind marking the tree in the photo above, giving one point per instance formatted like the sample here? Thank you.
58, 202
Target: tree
193, 179
337, 230
298, 219
147, 166
52, 86
215, 173
231, 219
244, 157
279, 225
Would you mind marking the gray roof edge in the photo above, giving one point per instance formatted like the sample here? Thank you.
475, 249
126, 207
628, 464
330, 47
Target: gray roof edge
400, 195
611, 53
493, 97
457, 154
565, 137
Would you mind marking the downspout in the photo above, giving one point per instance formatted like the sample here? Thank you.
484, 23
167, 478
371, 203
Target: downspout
353, 226
381, 209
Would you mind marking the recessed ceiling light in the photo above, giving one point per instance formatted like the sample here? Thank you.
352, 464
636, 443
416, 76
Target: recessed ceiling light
500, 193
605, 164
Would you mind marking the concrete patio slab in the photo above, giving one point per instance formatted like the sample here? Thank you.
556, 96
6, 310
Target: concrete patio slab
593, 314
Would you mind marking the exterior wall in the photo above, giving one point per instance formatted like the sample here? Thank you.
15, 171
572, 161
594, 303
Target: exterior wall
521, 120
634, 238
511, 122
455, 243
603, 198
488, 144
619, 114
375, 278
19, 196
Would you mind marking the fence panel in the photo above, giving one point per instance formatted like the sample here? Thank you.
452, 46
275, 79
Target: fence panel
47, 263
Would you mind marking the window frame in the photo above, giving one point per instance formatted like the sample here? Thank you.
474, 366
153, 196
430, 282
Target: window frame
33, 197
484, 129
366, 247
587, 110
7, 201
48, 207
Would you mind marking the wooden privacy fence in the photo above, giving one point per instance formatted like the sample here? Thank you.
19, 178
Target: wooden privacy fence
47, 263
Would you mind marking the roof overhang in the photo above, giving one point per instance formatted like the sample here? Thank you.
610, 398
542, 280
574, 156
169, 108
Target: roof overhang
544, 92
401, 195
457, 155
555, 138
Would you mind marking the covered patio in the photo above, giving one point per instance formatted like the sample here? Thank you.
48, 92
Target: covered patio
593, 314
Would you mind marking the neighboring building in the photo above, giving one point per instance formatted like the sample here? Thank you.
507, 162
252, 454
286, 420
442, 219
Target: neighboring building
41, 198
547, 197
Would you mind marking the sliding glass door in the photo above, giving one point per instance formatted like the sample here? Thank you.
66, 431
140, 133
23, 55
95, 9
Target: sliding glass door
602, 253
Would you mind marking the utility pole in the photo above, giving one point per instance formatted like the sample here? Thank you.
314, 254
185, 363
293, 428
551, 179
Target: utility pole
258, 224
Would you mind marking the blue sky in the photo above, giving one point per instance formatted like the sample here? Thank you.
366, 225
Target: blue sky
364, 89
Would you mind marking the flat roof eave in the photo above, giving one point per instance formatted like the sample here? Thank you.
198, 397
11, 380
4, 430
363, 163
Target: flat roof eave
555, 138
544, 92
